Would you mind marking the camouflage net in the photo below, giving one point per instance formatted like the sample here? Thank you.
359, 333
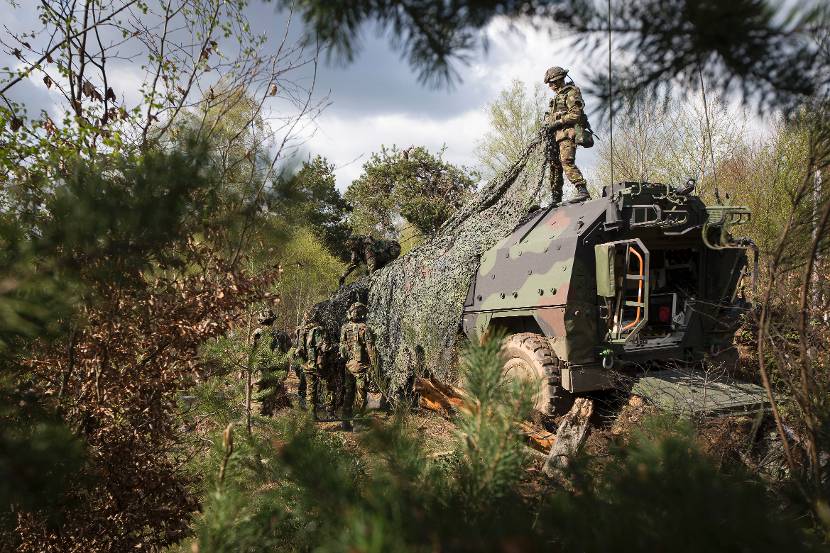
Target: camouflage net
416, 302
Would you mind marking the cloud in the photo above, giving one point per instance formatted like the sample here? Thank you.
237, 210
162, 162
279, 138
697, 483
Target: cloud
128, 80
522, 51
34, 96
348, 140
376, 100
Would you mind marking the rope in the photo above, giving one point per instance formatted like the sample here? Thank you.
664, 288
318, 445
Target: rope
709, 132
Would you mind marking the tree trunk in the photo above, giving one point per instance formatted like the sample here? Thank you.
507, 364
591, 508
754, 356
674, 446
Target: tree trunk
248, 400
248, 340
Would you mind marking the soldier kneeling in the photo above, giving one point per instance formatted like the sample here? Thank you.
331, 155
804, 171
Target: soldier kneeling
357, 347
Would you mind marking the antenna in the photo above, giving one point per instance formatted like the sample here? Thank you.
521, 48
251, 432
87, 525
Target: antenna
709, 132
610, 98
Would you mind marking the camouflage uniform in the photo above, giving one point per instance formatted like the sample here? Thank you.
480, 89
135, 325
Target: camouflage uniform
357, 347
281, 341
373, 252
271, 383
566, 111
313, 350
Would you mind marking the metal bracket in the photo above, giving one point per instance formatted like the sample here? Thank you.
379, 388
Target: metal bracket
725, 217
640, 215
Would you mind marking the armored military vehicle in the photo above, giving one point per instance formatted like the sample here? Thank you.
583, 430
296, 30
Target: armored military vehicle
642, 276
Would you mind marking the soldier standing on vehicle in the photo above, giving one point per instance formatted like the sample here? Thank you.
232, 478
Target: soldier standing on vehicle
373, 252
313, 350
567, 127
357, 347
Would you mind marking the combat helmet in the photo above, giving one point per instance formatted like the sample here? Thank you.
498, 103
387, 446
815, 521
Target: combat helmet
395, 248
554, 73
357, 311
266, 316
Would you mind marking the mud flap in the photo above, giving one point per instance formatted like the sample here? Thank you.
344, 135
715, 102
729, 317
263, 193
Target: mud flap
577, 380
475, 324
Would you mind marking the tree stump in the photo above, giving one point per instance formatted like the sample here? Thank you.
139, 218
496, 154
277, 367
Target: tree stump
570, 436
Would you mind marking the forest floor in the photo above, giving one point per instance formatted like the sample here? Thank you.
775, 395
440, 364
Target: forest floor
616, 417
615, 420
440, 431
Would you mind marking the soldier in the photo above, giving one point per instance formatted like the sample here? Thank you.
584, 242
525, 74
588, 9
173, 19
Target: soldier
567, 126
269, 341
373, 252
313, 349
357, 347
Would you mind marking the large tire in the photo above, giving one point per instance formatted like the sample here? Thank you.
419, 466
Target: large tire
529, 356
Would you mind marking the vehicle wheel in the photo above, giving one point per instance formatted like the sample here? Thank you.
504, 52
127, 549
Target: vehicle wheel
529, 356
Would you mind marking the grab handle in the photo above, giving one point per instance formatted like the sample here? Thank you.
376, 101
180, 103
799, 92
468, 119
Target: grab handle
639, 290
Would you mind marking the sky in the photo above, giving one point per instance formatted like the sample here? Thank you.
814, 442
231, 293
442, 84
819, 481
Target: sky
376, 100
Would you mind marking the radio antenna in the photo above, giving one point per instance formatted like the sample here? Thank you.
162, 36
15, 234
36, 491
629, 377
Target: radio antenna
610, 98
709, 132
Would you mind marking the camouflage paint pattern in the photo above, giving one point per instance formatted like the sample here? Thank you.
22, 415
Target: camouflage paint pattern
546, 269
538, 271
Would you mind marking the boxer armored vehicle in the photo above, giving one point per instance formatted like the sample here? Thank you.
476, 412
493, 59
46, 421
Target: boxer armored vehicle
644, 275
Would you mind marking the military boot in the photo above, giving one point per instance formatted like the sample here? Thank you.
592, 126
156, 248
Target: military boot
346, 426
581, 194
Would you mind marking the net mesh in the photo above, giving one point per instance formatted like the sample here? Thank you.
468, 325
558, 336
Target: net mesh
416, 302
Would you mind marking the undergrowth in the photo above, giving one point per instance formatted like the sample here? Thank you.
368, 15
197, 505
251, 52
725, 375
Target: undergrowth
291, 486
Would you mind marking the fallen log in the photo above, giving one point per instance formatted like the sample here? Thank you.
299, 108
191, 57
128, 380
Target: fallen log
453, 392
446, 400
438, 397
570, 436
538, 455
537, 437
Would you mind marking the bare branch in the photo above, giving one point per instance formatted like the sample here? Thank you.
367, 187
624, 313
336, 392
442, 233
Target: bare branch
60, 44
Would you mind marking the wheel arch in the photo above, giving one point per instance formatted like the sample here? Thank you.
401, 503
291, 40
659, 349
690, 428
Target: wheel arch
512, 324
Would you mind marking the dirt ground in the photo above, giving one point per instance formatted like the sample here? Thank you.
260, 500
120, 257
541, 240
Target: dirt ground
438, 432
728, 439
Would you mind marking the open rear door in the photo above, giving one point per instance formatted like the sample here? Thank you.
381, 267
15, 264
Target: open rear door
623, 279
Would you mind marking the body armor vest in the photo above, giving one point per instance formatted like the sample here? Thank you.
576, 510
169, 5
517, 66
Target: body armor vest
560, 101
355, 337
